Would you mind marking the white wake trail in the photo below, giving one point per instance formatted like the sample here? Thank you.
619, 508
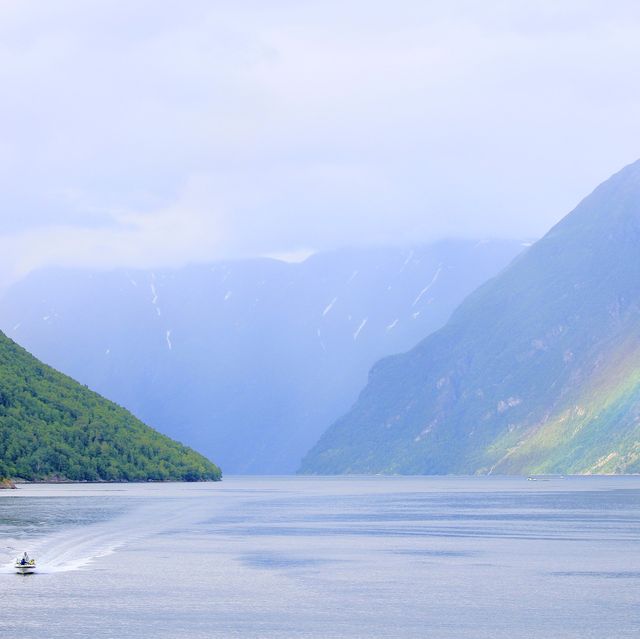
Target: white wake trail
77, 547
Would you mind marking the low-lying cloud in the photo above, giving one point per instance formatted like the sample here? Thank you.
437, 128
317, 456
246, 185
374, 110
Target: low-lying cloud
147, 134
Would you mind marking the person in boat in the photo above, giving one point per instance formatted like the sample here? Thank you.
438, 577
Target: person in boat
25, 559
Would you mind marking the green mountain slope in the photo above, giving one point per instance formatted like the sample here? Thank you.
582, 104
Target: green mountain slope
538, 371
52, 427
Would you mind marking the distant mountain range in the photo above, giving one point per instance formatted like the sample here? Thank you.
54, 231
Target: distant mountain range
538, 371
52, 428
246, 361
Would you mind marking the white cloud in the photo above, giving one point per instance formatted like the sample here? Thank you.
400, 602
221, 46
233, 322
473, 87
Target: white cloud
175, 236
146, 134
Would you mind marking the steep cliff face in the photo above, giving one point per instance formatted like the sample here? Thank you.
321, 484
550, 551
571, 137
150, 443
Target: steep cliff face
537, 371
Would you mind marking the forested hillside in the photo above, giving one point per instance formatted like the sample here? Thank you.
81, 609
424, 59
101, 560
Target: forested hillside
51, 427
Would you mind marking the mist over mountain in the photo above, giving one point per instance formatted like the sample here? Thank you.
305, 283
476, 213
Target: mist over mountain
246, 361
537, 371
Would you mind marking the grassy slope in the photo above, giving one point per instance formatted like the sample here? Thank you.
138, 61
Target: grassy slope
52, 427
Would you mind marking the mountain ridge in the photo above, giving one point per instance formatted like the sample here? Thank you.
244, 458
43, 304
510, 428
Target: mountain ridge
494, 389
247, 361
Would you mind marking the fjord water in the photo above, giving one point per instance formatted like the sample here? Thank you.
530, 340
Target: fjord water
325, 557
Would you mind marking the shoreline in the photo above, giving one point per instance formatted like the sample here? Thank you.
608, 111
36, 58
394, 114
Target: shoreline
15, 483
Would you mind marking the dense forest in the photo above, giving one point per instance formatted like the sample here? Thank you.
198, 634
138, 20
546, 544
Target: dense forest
52, 428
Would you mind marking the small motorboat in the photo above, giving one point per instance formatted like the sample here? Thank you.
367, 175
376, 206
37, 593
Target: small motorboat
25, 566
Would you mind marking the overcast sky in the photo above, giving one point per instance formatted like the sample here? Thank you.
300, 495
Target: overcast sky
151, 133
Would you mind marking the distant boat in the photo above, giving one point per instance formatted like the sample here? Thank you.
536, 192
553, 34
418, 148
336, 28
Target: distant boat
25, 566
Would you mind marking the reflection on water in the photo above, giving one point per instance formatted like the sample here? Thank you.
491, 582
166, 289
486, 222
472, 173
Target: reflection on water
325, 557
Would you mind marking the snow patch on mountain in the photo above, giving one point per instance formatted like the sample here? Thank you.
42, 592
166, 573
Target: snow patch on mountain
319, 334
429, 285
329, 306
406, 262
359, 329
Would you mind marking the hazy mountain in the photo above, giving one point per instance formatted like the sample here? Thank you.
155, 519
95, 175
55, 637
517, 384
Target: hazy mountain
537, 371
246, 361
51, 426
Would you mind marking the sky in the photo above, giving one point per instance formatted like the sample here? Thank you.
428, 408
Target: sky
146, 133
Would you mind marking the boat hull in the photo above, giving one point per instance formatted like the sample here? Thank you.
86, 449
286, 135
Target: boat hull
25, 570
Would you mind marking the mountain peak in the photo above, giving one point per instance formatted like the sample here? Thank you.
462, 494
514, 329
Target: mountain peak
537, 370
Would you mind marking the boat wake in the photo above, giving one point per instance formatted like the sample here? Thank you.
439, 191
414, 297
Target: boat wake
77, 547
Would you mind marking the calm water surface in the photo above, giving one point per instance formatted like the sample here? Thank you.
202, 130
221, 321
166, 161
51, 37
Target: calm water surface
325, 557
